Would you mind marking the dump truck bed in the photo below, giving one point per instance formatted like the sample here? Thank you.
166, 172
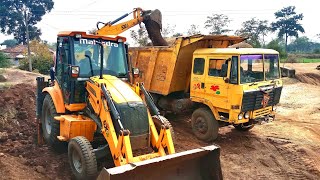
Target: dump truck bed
166, 69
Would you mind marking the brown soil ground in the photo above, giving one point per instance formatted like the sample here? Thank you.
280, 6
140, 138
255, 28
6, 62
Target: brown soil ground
287, 148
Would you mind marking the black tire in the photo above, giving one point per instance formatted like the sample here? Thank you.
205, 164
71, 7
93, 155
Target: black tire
157, 123
82, 159
243, 127
204, 126
50, 127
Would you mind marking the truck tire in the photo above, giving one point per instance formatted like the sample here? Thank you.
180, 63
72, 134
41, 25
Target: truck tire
243, 127
157, 123
204, 126
50, 127
82, 159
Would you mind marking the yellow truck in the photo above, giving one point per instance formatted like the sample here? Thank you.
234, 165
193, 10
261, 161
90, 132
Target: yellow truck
223, 86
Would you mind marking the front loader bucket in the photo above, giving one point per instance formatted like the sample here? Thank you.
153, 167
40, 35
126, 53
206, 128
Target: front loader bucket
197, 164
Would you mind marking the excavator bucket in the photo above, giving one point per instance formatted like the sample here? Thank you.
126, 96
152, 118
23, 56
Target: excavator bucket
153, 22
197, 164
154, 15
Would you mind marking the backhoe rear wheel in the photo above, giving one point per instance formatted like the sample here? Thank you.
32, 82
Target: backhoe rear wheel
82, 159
50, 127
204, 126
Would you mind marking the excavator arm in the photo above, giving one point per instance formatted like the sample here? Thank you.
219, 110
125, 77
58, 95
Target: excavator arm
139, 15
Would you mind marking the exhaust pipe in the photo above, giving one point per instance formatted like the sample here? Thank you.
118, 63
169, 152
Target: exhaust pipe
197, 164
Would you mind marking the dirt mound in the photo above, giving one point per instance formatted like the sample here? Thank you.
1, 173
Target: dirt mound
309, 78
18, 134
241, 45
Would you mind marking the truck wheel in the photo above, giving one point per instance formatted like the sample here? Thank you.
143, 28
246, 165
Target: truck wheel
244, 126
50, 127
82, 159
204, 125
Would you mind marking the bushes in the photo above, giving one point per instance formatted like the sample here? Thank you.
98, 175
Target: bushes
4, 61
278, 46
41, 58
38, 64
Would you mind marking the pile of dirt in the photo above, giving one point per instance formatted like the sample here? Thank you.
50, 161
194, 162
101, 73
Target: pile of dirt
241, 45
309, 78
18, 134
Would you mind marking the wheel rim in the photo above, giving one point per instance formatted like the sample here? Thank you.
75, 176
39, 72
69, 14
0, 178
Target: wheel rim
201, 125
76, 161
47, 122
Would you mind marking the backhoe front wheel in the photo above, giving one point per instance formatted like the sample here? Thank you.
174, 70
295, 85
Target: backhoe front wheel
204, 126
157, 124
50, 127
82, 159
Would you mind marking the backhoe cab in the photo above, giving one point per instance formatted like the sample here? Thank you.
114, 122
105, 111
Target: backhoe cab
96, 108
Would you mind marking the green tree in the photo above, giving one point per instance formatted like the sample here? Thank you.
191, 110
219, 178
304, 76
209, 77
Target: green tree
194, 29
4, 61
255, 30
287, 23
278, 45
168, 30
13, 17
177, 34
10, 42
303, 45
217, 23
140, 37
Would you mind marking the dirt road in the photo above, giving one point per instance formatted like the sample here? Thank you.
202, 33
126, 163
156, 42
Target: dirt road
287, 148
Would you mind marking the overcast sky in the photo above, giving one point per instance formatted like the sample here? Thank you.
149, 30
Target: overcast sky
83, 14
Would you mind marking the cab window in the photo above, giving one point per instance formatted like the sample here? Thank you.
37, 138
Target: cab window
215, 66
234, 70
198, 66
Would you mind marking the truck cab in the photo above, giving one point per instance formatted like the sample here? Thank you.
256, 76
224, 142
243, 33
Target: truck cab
239, 85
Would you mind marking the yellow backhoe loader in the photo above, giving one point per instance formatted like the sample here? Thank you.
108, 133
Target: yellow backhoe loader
94, 106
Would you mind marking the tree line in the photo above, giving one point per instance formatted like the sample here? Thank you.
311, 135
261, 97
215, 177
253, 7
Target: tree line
16, 15
287, 24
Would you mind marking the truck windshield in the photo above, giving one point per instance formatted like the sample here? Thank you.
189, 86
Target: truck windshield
251, 68
87, 55
271, 66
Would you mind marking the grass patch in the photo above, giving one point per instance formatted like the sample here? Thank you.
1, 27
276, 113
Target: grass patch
302, 60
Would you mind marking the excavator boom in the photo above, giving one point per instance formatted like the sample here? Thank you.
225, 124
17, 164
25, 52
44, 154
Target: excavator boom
139, 15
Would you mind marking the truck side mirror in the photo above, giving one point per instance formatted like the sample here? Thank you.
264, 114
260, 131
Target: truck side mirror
224, 70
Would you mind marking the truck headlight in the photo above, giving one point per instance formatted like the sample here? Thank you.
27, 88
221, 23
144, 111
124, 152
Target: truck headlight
240, 116
246, 115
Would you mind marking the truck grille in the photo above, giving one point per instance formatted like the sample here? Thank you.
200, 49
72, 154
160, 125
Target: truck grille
134, 117
262, 112
252, 100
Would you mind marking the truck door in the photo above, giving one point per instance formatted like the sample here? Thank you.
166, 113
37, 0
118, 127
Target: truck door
61, 67
216, 89
197, 83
